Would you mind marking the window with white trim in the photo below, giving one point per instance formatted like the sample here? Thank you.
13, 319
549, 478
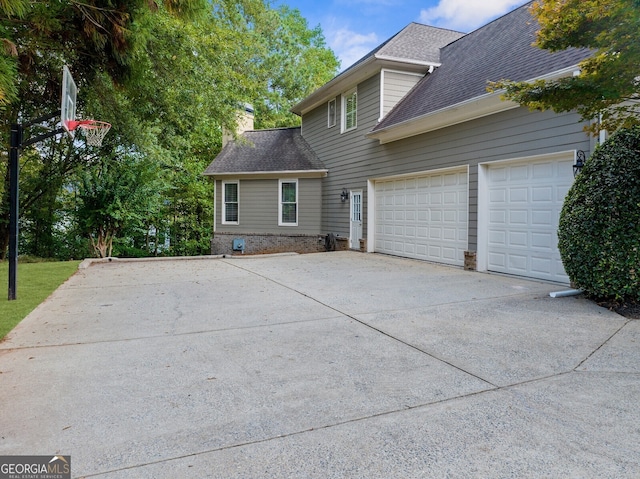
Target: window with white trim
331, 113
350, 110
230, 202
288, 204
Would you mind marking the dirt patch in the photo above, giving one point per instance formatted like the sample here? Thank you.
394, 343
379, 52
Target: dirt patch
629, 309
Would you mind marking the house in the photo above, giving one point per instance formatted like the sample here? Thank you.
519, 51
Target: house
420, 160
269, 192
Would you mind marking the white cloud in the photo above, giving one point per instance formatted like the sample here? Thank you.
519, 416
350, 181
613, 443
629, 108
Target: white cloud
466, 15
350, 46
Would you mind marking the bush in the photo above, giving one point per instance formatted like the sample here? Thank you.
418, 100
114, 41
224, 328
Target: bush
599, 231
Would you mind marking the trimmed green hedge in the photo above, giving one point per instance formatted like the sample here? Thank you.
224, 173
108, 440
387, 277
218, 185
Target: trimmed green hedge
599, 231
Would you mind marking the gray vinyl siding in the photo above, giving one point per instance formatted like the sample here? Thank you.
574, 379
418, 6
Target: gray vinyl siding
395, 86
258, 207
352, 159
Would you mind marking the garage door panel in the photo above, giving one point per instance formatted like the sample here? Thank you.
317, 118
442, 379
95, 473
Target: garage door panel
518, 239
541, 265
497, 238
519, 195
498, 195
542, 194
428, 215
498, 259
542, 218
544, 241
524, 204
519, 217
518, 263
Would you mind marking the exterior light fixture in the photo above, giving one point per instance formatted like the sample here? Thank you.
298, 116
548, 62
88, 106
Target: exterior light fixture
344, 196
580, 159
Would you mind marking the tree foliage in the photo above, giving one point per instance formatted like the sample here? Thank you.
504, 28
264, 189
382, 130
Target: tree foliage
599, 230
608, 87
117, 193
168, 75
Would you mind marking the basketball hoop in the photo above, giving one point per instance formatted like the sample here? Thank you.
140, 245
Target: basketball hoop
94, 131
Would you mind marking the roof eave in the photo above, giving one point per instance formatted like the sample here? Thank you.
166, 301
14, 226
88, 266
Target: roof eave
247, 175
474, 108
477, 107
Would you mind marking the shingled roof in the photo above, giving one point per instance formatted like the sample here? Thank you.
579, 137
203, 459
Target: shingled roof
266, 151
415, 42
415, 48
501, 50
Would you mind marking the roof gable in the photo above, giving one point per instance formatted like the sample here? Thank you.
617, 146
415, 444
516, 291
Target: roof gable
415, 48
266, 151
500, 50
417, 42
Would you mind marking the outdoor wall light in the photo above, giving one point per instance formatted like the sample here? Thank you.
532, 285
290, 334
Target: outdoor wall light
580, 159
344, 196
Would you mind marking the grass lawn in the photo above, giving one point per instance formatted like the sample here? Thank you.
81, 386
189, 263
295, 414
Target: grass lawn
36, 281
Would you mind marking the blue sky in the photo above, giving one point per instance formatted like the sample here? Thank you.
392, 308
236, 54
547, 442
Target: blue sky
353, 28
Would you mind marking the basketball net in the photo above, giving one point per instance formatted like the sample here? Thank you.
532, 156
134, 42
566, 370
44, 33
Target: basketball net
94, 131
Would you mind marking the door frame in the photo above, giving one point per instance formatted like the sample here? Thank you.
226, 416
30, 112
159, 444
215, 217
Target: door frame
354, 243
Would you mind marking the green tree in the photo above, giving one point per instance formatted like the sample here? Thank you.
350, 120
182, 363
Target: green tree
599, 230
93, 37
168, 79
119, 193
295, 61
607, 89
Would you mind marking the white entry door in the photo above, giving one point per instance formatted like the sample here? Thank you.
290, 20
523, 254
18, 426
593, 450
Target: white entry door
355, 230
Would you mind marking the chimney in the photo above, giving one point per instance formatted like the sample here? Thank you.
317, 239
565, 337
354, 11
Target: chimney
244, 121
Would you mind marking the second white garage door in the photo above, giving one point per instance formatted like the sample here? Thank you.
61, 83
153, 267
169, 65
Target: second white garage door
423, 217
524, 204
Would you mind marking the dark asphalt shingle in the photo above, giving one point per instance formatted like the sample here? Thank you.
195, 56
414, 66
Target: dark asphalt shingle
281, 149
501, 50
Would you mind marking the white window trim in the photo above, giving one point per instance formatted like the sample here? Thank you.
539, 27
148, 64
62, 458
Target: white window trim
280, 222
224, 203
343, 110
331, 124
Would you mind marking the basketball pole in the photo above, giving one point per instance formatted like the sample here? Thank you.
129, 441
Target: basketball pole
14, 164
15, 145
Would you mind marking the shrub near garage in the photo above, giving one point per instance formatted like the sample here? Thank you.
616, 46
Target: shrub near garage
599, 230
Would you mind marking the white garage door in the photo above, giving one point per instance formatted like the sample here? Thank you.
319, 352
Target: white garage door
423, 217
525, 200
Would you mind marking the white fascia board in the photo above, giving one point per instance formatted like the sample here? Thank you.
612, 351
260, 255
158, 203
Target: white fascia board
472, 109
407, 61
264, 175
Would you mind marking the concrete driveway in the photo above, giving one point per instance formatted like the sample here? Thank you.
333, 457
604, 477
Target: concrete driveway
336, 365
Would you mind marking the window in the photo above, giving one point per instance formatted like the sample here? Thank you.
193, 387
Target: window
230, 201
288, 205
331, 114
349, 110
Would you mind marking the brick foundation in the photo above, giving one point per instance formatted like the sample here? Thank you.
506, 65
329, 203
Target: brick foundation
470, 261
222, 243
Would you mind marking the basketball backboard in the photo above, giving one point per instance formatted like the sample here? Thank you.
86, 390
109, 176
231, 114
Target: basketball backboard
68, 101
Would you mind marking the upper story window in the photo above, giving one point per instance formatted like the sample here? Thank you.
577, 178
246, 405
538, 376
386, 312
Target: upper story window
288, 204
331, 113
230, 201
350, 110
